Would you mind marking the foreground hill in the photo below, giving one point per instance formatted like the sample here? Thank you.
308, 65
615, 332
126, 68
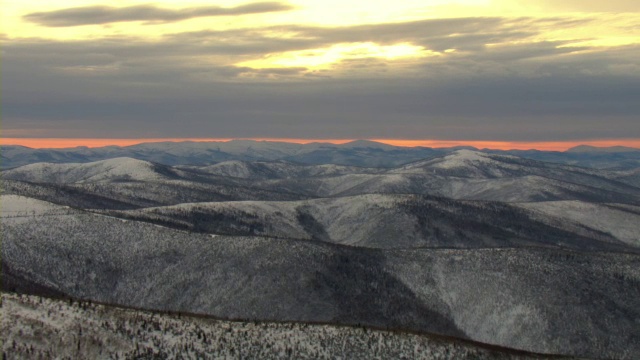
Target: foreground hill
535, 299
34, 327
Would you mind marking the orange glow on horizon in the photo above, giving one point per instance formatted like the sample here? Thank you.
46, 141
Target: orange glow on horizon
58, 143
513, 145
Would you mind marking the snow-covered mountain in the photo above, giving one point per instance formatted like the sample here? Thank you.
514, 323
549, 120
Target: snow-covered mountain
485, 246
116, 169
276, 170
481, 165
463, 174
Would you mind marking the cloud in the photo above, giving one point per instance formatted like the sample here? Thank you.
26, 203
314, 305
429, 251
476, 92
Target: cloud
562, 106
264, 41
436, 34
589, 6
501, 82
496, 46
95, 15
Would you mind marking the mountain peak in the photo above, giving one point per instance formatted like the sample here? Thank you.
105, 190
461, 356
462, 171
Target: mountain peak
367, 144
462, 157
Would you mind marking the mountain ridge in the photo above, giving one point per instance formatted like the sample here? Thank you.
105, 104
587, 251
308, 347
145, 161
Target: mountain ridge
462, 174
113, 260
599, 149
500, 249
358, 153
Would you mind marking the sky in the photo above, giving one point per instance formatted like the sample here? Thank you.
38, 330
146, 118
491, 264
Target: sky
494, 71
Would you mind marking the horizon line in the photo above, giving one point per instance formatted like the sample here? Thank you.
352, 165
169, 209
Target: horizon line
558, 145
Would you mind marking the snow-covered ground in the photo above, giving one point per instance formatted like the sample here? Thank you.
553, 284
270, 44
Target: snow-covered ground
462, 158
509, 297
12, 205
39, 328
15, 208
623, 225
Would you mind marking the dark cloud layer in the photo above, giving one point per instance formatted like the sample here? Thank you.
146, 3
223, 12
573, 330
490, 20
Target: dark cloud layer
470, 34
95, 15
184, 86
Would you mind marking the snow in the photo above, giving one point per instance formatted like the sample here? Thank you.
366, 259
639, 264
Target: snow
234, 168
34, 327
20, 209
503, 292
11, 205
105, 170
337, 216
463, 163
461, 158
464, 158
623, 225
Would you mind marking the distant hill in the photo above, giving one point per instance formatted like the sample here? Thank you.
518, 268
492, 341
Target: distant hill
361, 153
594, 149
461, 174
115, 169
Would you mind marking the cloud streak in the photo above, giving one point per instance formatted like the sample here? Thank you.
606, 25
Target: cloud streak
590, 6
97, 15
495, 46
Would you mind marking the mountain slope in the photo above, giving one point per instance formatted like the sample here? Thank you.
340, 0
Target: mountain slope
276, 170
623, 222
481, 165
463, 174
382, 221
631, 177
167, 187
117, 169
543, 300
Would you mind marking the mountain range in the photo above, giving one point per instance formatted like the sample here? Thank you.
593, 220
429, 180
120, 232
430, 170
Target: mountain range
356, 153
491, 247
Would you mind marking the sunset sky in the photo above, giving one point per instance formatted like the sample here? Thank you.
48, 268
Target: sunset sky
461, 71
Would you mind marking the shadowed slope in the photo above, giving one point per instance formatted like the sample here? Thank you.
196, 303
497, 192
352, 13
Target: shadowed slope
508, 297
